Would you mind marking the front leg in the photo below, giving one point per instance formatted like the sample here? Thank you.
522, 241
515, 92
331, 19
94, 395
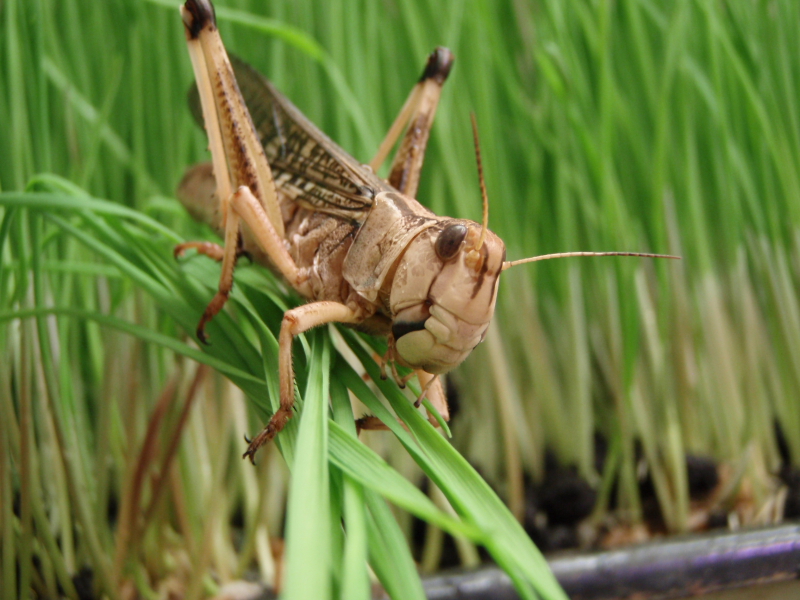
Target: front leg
295, 322
433, 389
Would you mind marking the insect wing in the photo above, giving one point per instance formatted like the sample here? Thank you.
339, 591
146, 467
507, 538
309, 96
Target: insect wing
308, 167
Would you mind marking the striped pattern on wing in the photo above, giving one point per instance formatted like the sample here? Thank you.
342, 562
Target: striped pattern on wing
308, 167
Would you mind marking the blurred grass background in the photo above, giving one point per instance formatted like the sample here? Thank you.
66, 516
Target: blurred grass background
640, 125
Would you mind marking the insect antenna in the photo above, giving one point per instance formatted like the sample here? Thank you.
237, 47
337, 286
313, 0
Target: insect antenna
513, 263
484, 195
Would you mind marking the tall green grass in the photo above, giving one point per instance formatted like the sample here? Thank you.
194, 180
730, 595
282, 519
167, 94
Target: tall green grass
631, 125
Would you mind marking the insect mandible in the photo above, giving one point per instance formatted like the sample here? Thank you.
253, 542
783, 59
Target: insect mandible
360, 248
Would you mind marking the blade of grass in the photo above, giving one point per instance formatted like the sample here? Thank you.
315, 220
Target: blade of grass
388, 551
308, 516
355, 578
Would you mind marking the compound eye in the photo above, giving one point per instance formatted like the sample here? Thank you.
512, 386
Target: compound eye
449, 241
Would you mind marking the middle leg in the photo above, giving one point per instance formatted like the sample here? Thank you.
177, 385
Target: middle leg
295, 322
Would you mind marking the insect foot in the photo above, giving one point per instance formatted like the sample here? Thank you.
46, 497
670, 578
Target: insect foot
266, 435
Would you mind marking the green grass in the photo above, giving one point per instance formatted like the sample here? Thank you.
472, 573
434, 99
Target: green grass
632, 125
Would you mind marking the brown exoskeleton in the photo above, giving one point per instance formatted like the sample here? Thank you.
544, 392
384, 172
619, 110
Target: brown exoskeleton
360, 248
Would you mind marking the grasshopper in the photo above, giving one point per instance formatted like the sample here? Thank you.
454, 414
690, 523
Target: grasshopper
360, 248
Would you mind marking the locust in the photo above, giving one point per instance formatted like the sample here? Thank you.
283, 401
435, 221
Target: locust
358, 247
